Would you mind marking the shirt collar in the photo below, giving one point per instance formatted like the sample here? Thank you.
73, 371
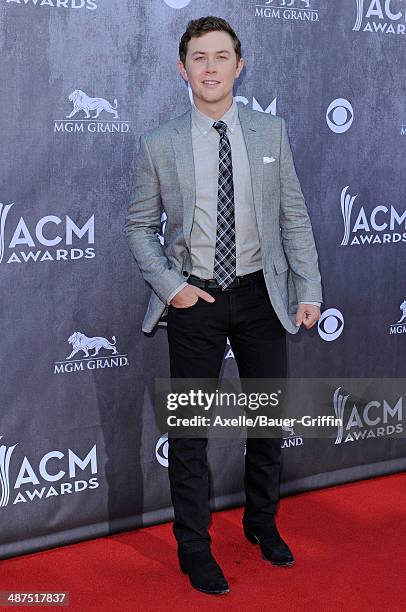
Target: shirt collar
205, 123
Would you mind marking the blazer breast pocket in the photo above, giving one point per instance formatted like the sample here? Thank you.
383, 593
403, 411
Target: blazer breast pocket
270, 176
270, 166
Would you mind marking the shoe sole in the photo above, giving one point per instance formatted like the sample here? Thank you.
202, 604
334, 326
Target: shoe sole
222, 592
211, 592
287, 564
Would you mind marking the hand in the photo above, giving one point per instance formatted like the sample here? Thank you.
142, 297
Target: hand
189, 295
308, 314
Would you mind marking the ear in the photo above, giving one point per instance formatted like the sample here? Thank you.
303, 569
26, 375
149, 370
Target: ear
182, 70
240, 66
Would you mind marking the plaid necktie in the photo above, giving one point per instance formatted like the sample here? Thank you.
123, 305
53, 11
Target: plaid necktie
224, 257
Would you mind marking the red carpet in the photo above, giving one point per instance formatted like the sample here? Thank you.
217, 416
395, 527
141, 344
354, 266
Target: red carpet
349, 543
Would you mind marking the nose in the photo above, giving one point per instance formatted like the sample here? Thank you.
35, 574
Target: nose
210, 67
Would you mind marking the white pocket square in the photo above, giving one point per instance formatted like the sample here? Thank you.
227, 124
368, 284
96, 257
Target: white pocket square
268, 160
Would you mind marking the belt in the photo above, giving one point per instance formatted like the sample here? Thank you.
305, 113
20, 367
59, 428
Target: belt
239, 281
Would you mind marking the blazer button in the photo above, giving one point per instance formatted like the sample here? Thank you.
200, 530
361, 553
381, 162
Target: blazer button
185, 273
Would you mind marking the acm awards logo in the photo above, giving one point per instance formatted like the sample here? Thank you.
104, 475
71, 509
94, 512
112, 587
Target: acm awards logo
104, 354
85, 113
161, 234
375, 419
56, 473
91, 5
385, 16
289, 10
229, 354
270, 109
400, 326
383, 225
23, 241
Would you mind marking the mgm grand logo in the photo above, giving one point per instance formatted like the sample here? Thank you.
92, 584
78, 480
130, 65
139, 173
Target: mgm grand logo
289, 437
85, 116
400, 326
374, 419
385, 16
289, 10
95, 353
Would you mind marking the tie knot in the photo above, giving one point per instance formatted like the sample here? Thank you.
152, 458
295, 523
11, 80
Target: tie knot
221, 127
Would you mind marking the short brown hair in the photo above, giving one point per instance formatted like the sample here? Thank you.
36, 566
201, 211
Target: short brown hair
198, 27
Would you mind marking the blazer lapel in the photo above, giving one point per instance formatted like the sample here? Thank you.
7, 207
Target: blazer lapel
254, 146
182, 144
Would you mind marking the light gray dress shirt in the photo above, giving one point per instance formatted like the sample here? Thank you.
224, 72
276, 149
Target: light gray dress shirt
205, 141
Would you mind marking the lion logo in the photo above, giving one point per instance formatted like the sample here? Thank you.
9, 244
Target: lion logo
289, 429
80, 342
82, 101
291, 2
403, 309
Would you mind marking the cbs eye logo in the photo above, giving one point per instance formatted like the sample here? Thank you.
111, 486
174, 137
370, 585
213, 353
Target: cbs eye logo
177, 4
161, 451
340, 115
331, 324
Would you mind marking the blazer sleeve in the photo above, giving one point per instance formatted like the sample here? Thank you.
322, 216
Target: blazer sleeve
297, 234
142, 223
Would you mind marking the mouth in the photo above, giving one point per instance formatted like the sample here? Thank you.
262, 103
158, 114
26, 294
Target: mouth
210, 83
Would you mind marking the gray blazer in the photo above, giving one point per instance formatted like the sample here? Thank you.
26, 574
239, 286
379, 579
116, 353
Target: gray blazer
164, 180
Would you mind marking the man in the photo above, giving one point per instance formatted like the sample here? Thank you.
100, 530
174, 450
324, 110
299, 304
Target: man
238, 261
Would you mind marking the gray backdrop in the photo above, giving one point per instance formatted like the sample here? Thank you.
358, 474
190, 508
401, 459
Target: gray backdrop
80, 455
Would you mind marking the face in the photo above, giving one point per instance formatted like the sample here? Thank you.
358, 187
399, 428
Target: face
211, 67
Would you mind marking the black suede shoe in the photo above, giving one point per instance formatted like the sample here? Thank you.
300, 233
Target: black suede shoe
204, 572
273, 548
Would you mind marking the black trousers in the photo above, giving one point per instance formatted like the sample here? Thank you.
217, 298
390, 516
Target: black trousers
197, 338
